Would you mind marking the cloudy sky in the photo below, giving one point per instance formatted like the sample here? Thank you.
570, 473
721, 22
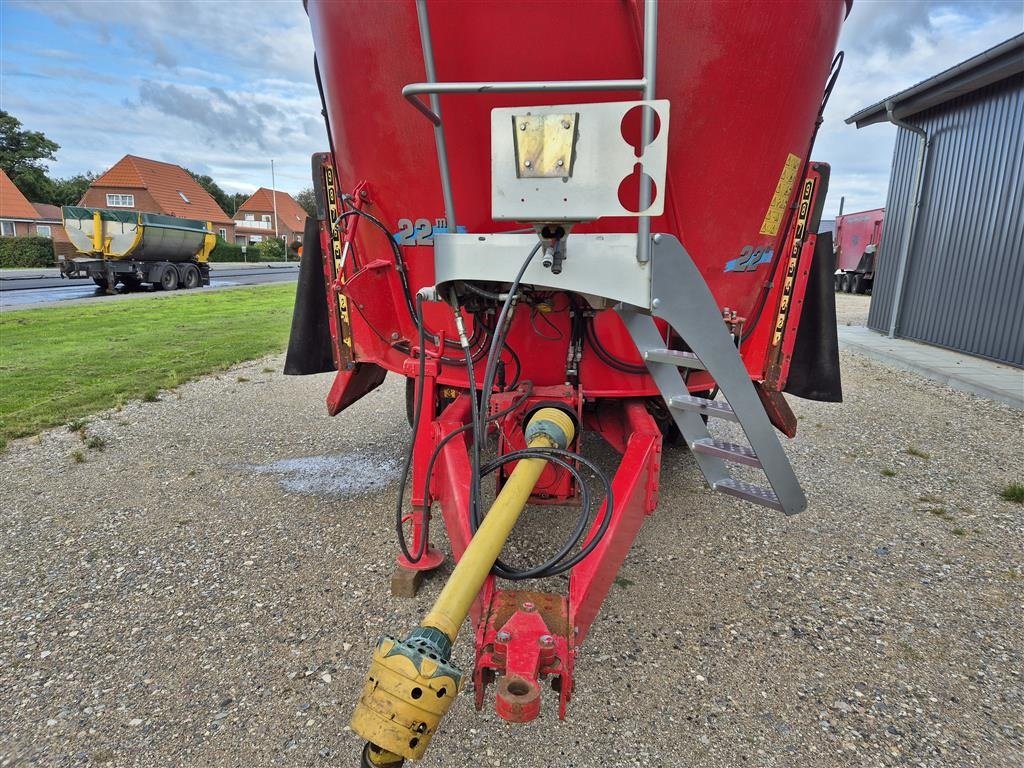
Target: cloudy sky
223, 88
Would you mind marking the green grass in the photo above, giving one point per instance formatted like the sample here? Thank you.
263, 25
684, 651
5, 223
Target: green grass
1013, 492
60, 364
913, 451
888, 473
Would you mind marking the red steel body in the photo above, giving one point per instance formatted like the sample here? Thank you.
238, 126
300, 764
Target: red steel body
745, 80
854, 233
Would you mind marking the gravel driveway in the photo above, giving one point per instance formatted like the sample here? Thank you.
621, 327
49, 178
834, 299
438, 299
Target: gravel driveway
205, 589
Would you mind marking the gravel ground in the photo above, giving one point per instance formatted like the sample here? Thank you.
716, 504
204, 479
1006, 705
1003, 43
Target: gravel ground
205, 588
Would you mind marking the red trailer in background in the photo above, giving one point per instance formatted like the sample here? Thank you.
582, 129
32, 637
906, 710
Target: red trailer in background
856, 245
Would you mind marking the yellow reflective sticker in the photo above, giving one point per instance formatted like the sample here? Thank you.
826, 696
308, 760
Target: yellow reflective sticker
777, 207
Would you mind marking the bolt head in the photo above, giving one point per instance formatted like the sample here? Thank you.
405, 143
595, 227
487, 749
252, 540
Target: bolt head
529, 607
655, 302
546, 640
561, 163
657, 238
503, 637
527, 163
522, 126
566, 124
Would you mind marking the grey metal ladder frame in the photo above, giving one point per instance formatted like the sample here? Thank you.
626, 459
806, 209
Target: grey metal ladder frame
680, 296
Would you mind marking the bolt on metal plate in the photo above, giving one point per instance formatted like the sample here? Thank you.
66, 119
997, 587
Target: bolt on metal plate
544, 144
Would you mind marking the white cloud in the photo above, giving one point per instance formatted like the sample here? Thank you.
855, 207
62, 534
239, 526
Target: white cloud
889, 47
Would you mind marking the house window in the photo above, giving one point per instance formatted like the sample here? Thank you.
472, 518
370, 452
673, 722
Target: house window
265, 217
250, 217
298, 239
240, 240
182, 196
121, 201
43, 230
223, 232
255, 238
7, 229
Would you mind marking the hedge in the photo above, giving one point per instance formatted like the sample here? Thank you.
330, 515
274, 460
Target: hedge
26, 252
267, 250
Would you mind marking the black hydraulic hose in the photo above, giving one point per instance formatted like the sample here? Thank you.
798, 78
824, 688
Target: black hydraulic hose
493, 355
557, 563
416, 414
607, 357
403, 275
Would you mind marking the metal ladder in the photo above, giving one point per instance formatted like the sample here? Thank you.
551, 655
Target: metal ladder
680, 296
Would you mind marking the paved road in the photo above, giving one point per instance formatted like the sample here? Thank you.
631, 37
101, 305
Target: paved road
22, 288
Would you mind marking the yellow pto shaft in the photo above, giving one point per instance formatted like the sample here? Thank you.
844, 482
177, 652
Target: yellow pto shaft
411, 683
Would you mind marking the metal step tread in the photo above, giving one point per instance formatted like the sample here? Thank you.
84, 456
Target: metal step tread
755, 493
741, 454
703, 406
674, 357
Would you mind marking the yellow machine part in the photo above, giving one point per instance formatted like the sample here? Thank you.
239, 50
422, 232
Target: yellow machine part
409, 688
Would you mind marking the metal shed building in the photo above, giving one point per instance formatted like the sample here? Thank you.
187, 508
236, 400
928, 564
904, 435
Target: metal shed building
952, 272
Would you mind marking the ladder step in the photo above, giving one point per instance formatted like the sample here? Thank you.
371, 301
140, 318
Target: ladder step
755, 493
703, 406
674, 357
741, 454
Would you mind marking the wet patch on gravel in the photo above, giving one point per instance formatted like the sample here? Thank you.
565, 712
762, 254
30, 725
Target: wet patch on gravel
337, 475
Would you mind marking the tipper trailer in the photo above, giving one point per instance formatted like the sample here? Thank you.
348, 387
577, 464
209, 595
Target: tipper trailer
856, 246
133, 248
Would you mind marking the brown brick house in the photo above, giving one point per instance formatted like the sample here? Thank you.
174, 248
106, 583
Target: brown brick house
139, 184
20, 218
254, 219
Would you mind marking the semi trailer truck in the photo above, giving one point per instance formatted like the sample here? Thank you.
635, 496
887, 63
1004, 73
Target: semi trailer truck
134, 248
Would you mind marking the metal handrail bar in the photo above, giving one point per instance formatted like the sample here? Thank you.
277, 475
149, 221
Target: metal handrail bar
434, 89
413, 90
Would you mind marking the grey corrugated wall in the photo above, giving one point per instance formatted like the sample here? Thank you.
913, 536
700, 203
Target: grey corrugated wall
964, 284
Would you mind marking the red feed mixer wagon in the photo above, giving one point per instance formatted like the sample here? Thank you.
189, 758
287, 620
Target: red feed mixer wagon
562, 220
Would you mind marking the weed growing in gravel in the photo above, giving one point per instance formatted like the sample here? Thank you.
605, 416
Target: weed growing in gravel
78, 457
149, 396
78, 425
941, 512
1013, 492
241, 379
888, 473
912, 451
622, 581
930, 498
269, 370
95, 443
958, 531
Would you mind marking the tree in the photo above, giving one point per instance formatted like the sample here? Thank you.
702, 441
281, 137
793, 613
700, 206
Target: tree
71, 190
22, 157
307, 200
235, 201
219, 195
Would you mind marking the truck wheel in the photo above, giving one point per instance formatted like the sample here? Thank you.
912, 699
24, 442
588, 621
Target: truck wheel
856, 285
847, 282
838, 281
101, 282
169, 278
192, 278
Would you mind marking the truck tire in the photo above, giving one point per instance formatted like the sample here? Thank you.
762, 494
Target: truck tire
856, 283
192, 278
847, 283
838, 280
101, 282
168, 278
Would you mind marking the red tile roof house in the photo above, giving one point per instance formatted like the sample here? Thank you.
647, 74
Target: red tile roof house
254, 219
20, 218
138, 184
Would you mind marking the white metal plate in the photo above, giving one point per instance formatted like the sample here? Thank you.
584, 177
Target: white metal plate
602, 161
